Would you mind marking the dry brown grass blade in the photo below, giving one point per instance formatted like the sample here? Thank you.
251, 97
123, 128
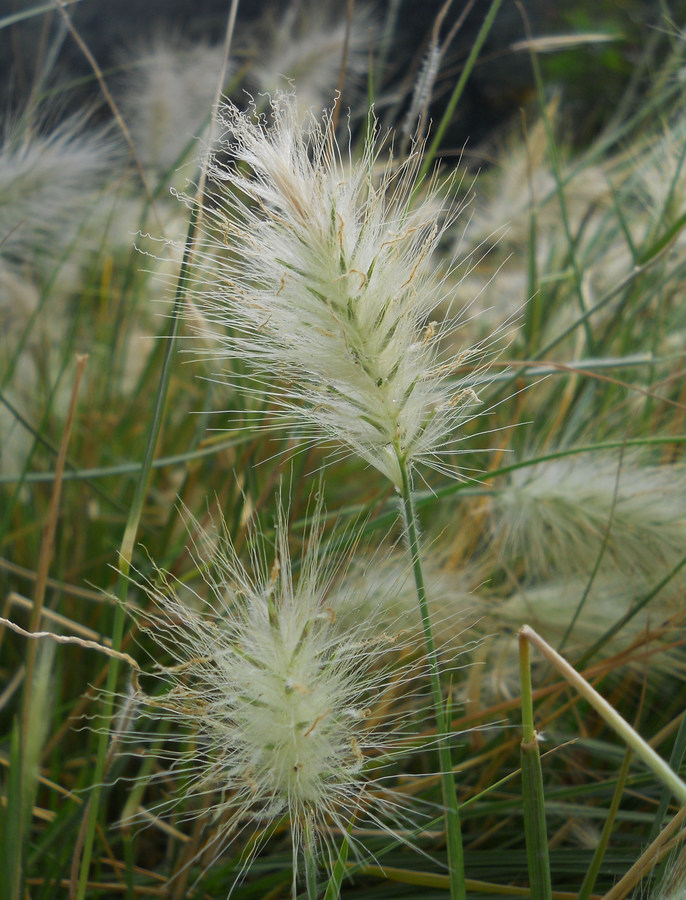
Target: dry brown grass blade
649, 859
407, 876
63, 587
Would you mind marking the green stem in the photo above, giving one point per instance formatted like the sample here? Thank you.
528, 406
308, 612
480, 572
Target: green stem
452, 815
459, 88
333, 889
675, 760
310, 864
532, 787
528, 730
590, 878
559, 182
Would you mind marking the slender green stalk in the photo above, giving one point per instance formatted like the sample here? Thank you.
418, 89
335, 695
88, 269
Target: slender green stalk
528, 730
676, 758
452, 815
11, 822
532, 787
590, 878
534, 308
310, 857
310, 874
459, 88
555, 165
333, 889
38, 660
130, 863
599, 558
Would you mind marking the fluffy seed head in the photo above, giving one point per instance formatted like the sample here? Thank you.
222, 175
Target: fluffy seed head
320, 277
551, 607
555, 516
281, 699
304, 44
48, 185
168, 98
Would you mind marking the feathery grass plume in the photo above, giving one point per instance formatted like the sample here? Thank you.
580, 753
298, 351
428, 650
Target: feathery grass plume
322, 279
19, 371
452, 606
656, 179
521, 181
553, 516
287, 708
305, 46
550, 608
423, 88
60, 205
48, 184
168, 98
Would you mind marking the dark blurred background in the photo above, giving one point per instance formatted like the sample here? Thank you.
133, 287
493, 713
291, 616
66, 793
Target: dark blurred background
591, 77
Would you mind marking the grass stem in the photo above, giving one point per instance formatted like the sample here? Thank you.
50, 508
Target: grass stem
590, 878
452, 815
532, 787
310, 873
458, 90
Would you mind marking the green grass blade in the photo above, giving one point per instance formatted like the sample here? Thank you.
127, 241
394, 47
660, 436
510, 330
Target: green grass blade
590, 878
458, 90
333, 888
452, 815
532, 787
126, 553
11, 827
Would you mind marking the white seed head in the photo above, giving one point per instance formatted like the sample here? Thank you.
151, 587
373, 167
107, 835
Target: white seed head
322, 280
48, 185
555, 516
305, 45
168, 98
551, 607
284, 705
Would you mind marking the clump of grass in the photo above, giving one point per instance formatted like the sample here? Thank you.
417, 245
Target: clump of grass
324, 282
